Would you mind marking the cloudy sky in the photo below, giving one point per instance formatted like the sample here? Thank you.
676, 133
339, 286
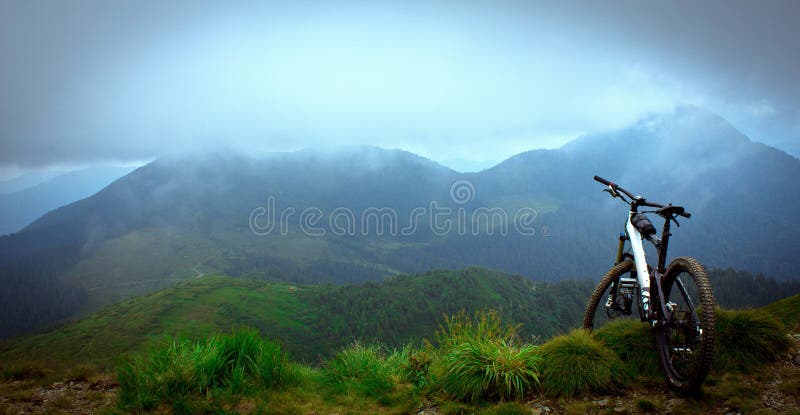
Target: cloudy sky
97, 81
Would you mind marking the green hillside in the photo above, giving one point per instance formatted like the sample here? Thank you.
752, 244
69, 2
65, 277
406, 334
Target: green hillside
309, 321
787, 311
313, 321
192, 308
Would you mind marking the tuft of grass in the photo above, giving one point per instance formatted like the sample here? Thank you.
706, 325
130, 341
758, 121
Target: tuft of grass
746, 339
417, 367
363, 369
634, 343
479, 358
576, 364
462, 328
181, 369
488, 369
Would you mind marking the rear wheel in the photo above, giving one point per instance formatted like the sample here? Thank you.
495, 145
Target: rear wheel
616, 297
686, 339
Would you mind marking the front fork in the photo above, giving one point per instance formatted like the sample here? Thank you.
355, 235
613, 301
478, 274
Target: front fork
620, 296
621, 247
645, 298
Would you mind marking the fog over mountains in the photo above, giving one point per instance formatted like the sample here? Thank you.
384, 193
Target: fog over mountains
28, 200
362, 213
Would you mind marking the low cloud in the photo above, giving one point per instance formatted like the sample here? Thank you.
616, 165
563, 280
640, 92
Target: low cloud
92, 81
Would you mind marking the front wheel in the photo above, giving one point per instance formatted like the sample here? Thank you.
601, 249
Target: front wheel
685, 337
616, 297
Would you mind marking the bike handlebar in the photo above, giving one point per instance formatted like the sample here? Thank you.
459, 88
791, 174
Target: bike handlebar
604, 181
615, 186
641, 201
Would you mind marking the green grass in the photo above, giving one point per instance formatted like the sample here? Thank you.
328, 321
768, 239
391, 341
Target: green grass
476, 363
786, 311
746, 339
195, 308
114, 270
735, 394
80, 373
577, 364
309, 321
177, 360
634, 343
490, 370
181, 369
24, 370
362, 369
480, 358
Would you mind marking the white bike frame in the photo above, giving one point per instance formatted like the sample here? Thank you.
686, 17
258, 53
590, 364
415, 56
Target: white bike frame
635, 237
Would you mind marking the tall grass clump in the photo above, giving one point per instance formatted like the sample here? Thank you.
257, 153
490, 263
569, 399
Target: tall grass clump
180, 369
490, 370
362, 369
577, 363
747, 338
480, 358
634, 343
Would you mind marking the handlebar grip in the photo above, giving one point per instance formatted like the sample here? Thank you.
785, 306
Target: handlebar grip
682, 212
602, 180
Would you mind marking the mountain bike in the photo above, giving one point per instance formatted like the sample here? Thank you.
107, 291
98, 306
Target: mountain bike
676, 301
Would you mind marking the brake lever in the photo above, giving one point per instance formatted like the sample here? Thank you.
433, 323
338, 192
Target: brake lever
676, 221
611, 191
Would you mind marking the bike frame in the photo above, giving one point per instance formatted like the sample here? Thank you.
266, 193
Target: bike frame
640, 262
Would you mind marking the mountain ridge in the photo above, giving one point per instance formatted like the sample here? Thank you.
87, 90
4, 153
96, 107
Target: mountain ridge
190, 215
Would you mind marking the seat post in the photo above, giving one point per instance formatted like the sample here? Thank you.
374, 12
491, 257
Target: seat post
662, 251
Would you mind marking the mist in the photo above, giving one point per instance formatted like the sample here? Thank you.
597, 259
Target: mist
90, 81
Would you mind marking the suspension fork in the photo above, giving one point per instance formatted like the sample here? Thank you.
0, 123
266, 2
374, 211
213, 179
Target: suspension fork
621, 247
612, 295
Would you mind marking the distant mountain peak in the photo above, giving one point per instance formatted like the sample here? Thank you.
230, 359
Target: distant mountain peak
685, 129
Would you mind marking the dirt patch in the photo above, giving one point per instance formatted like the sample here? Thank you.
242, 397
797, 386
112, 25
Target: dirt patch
23, 397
